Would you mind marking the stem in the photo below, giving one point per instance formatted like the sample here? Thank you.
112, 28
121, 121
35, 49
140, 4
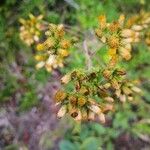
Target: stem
87, 55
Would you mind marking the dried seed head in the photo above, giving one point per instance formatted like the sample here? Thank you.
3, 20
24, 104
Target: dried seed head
109, 99
103, 39
84, 114
40, 64
74, 113
137, 28
115, 84
125, 53
101, 117
107, 73
84, 90
122, 98
136, 89
127, 33
102, 92
78, 117
126, 90
91, 115
107, 85
95, 109
130, 98
118, 92
62, 111
65, 79
120, 72
107, 108
99, 33
73, 100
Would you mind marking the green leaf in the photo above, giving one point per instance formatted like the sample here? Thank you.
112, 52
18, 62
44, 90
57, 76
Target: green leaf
90, 143
99, 129
66, 145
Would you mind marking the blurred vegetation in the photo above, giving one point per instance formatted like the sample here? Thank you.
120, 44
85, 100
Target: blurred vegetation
19, 79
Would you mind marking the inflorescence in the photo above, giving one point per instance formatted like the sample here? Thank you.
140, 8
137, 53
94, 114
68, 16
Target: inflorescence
92, 93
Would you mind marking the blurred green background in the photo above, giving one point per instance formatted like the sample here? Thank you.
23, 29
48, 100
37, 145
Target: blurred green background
23, 88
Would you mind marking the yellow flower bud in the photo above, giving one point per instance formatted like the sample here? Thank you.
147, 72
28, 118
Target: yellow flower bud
121, 19
39, 57
63, 52
60, 96
81, 101
49, 43
112, 51
113, 27
40, 47
102, 21
113, 42
65, 44
60, 30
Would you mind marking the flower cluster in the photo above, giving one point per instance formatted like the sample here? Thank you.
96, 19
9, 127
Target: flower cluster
90, 94
30, 29
51, 52
118, 38
93, 93
141, 23
123, 89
